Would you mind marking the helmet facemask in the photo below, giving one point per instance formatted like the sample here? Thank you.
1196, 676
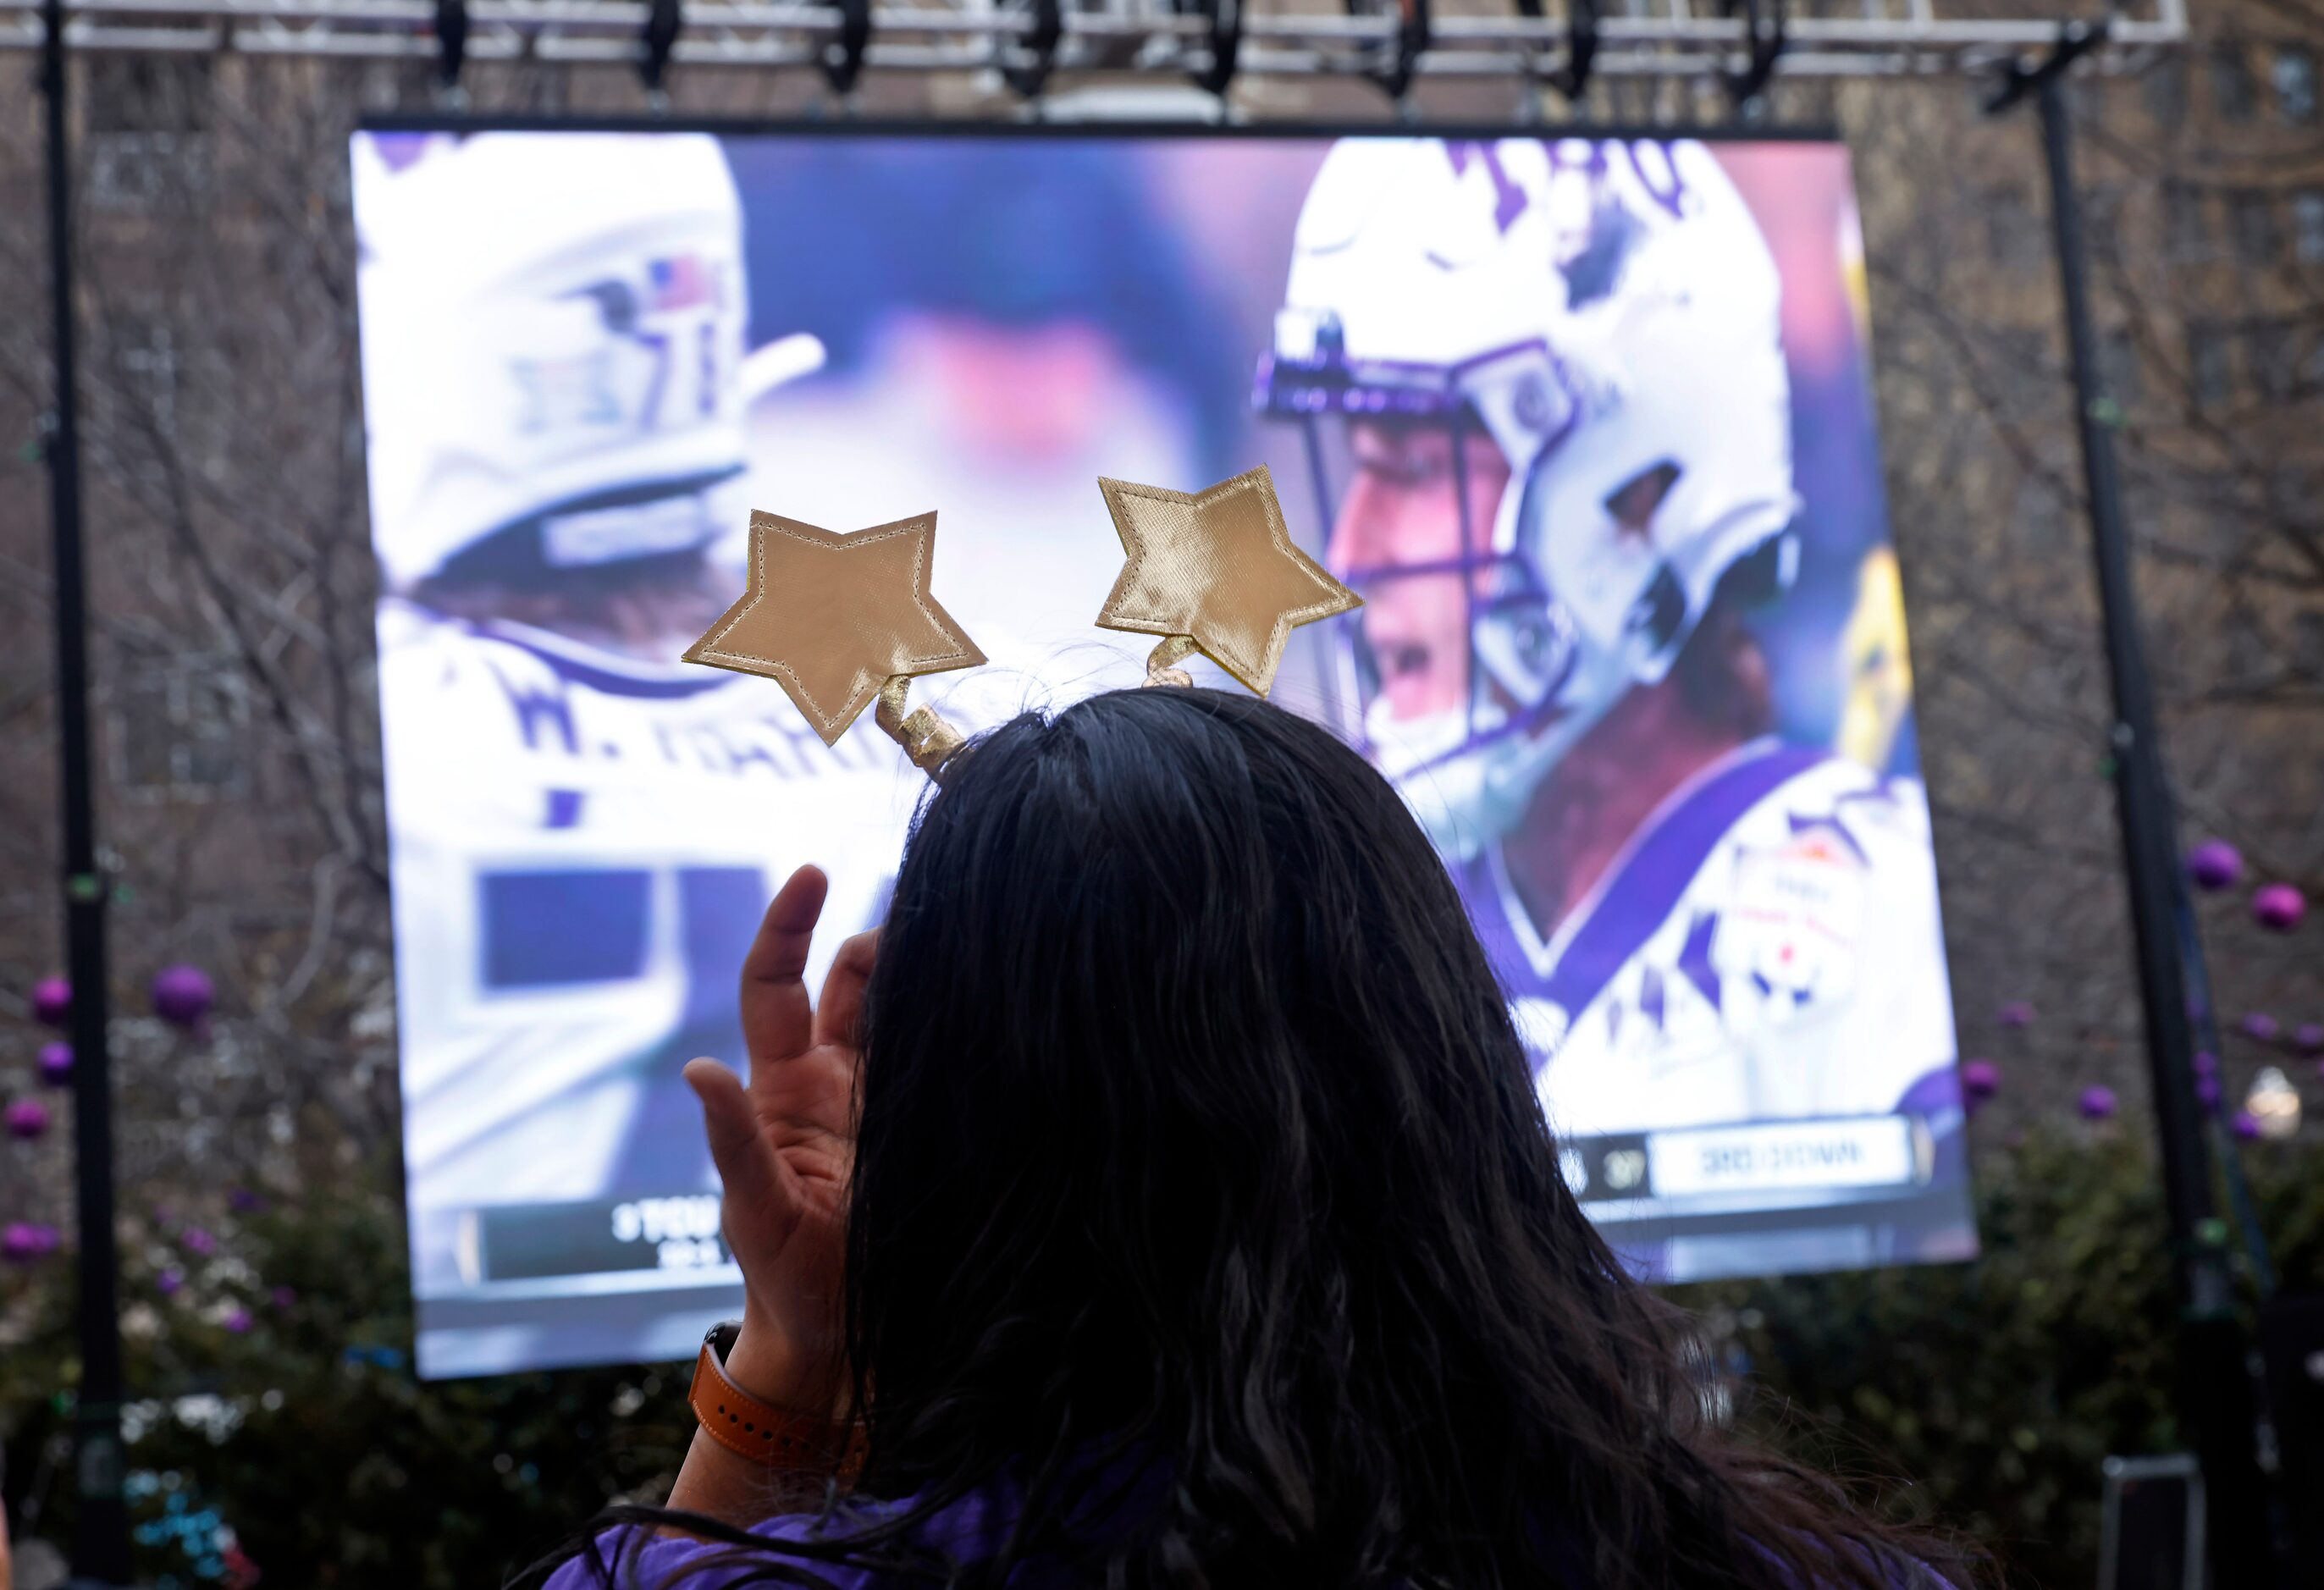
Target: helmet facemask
1466, 768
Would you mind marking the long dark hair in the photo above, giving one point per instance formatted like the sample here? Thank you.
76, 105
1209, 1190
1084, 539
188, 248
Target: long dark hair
1203, 1203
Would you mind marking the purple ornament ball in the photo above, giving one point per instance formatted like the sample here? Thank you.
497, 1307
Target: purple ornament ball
243, 1201
169, 1281
183, 995
2206, 1092
27, 1119
51, 1001
199, 1241
2246, 1126
56, 1063
237, 1320
2097, 1103
2278, 908
2215, 865
2015, 1015
1980, 1080
2308, 1038
2260, 1027
24, 1241
2205, 1062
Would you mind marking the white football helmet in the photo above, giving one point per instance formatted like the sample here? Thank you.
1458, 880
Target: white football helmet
1606, 312
552, 335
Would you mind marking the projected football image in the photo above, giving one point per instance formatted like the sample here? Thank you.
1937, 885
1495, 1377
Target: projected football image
1588, 424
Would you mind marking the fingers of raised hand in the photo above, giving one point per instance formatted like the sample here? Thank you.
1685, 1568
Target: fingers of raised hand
841, 1005
757, 1183
777, 1017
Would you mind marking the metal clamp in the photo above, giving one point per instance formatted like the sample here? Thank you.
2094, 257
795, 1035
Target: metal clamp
1581, 16
664, 18
451, 42
843, 58
2075, 40
1413, 35
1764, 29
1048, 30
1581, 49
1225, 17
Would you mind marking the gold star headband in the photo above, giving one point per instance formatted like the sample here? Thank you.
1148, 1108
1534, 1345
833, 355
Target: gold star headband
841, 620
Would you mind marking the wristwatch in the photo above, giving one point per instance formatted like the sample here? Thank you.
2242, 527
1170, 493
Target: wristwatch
772, 1437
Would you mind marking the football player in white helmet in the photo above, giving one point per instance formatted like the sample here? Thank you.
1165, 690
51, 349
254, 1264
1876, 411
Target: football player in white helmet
1550, 373
556, 384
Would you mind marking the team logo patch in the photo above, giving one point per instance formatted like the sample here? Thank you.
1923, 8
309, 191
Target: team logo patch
1793, 927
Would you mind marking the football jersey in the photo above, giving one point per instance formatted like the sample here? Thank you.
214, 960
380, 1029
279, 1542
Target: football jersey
1767, 946
581, 856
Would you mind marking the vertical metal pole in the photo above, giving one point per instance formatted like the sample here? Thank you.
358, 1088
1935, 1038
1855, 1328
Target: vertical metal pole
2215, 1392
101, 1542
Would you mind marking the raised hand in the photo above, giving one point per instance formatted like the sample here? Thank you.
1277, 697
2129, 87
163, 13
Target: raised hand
785, 1145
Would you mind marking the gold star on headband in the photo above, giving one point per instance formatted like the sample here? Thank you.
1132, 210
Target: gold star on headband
833, 618
1218, 567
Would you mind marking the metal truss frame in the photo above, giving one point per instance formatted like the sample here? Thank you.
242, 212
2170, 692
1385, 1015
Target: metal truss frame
1140, 38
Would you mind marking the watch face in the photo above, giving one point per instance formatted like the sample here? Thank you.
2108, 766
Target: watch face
721, 1339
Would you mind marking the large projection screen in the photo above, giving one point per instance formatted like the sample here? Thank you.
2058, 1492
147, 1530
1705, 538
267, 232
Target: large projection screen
1588, 422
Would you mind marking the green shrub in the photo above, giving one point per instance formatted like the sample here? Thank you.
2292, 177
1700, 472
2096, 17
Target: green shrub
1986, 1395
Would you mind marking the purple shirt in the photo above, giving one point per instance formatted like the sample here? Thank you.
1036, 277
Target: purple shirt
970, 1529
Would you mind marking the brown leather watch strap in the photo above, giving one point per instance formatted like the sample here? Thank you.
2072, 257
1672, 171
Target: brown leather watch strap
762, 1432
